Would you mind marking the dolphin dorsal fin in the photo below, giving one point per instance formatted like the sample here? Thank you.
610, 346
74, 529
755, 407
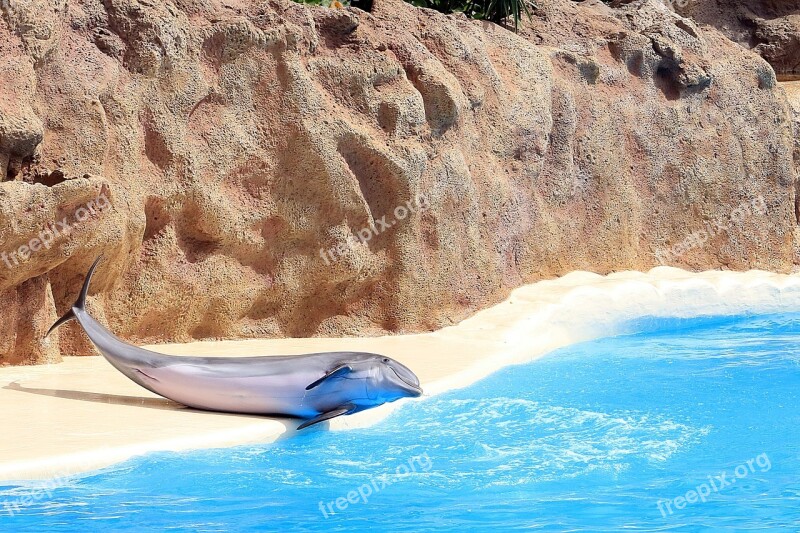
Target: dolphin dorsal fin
338, 371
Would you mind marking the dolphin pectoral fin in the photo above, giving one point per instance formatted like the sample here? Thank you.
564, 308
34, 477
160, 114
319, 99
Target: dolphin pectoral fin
139, 371
339, 411
338, 371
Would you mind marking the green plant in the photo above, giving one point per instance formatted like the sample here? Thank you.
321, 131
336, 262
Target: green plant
498, 11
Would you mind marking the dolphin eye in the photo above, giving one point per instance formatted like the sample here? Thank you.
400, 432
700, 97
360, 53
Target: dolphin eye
385, 359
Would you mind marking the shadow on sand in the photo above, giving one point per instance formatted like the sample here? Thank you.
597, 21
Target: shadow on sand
97, 397
136, 401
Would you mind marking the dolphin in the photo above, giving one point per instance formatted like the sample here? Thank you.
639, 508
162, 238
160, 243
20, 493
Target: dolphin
315, 387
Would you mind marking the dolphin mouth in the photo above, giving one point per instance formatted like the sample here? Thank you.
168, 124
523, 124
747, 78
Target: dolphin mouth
417, 392
414, 390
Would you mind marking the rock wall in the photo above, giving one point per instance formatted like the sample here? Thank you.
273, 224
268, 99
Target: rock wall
770, 28
793, 93
270, 169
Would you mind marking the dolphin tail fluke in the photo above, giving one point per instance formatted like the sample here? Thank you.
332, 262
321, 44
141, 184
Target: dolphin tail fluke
80, 303
63, 320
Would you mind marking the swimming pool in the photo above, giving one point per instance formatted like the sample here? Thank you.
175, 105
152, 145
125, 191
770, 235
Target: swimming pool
692, 427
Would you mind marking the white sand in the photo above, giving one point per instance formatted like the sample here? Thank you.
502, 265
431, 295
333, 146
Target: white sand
82, 414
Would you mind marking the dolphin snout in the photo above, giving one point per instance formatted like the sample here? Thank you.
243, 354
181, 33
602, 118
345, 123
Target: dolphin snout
416, 392
403, 380
411, 389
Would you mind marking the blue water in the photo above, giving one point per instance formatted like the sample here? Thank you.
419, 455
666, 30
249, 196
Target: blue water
589, 438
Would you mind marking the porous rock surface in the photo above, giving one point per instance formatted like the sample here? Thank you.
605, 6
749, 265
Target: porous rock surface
793, 93
255, 169
768, 27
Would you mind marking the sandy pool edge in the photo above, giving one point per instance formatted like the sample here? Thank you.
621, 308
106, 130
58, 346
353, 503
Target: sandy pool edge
104, 419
